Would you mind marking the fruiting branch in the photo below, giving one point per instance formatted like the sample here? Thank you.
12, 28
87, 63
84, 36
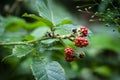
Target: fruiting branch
77, 36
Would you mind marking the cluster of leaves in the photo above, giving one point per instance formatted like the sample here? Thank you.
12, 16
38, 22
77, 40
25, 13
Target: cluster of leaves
108, 11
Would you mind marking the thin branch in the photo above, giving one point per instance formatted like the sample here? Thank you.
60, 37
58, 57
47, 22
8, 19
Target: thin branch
14, 43
33, 41
24, 42
15, 7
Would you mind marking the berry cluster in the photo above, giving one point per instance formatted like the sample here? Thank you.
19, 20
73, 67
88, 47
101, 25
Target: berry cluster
80, 41
69, 54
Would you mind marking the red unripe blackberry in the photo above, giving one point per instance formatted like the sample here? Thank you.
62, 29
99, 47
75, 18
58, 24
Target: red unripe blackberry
69, 54
69, 51
81, 42
70, 58
84, 31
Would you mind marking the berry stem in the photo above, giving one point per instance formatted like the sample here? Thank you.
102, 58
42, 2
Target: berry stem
40, 39
24, 42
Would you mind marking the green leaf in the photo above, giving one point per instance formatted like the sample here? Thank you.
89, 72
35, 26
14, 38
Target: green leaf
29, 37
51, 11
33, 25
119, 29
2, 29
103, 70
13, 23
65, 29
49, 41
21, 50
38, 18
40, 32
66, 21
43, 70
50, 45
9, 36
105, 42
31, 16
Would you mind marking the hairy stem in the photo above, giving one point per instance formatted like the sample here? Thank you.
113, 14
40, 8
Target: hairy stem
24, 42
33, 41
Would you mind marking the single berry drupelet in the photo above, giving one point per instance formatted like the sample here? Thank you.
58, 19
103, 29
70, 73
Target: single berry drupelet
81, 42
84, 31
